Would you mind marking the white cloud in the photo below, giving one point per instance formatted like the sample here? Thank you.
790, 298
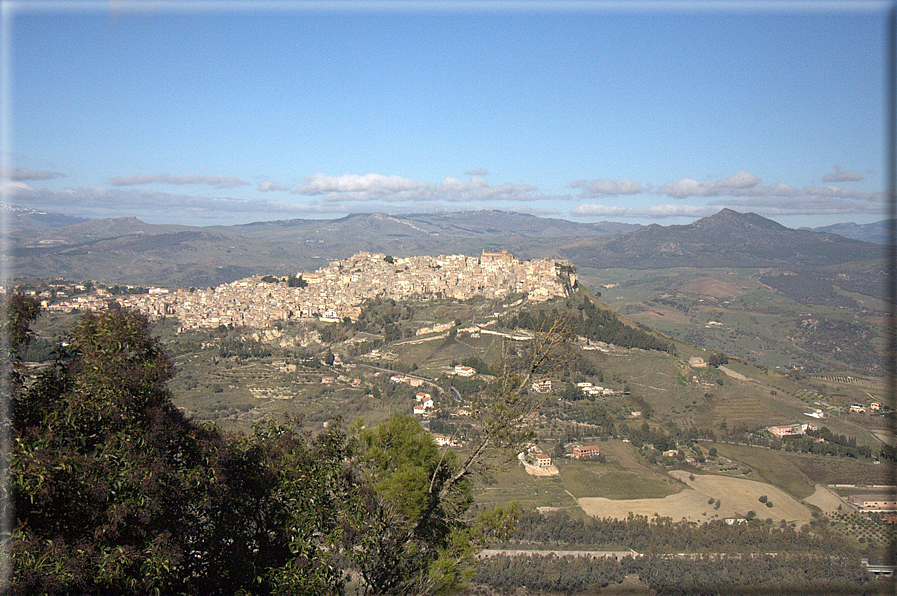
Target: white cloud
689, 187
13, 188
215, 181
745, 184
27, 174
839, 175
653, 211
607, 186
477, 172
319, 184
269, 185
376, 187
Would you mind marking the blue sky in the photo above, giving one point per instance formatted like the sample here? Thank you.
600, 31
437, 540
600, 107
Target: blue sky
233, 114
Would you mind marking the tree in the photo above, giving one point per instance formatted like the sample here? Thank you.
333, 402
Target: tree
116, 491
414, 539
404, 540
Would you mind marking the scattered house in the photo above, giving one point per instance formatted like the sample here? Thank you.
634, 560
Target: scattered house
791, 430
423, 403
543, 460
593, 390
464, 371
858, 408
670, 452
414, 382
445, 441
815, 414
542, 386
697, 362
582, 451
636, 413
327, 380
873, 503
736, 520
875, 406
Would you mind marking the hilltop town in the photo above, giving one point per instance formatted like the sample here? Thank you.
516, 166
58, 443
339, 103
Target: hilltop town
338, 290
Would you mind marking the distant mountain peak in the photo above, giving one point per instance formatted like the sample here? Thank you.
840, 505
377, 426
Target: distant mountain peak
730, 216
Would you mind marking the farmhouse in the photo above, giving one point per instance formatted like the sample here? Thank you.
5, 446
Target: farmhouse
582, 451
542, 460
445, 441
464, 371
791, 430
874, 502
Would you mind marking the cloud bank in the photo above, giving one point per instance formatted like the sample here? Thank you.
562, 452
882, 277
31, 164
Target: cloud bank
377, 187
115, 202
27, 174
689, 187
215, 181
269, 185
607, 186
839, 175
652, 211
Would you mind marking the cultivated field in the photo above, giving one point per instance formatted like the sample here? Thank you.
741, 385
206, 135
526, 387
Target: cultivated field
825, 499
736, 497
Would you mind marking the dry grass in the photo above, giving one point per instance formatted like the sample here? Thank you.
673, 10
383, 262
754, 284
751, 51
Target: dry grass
737, 497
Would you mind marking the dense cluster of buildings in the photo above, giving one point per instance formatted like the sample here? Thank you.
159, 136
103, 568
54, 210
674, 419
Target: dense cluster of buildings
338, 290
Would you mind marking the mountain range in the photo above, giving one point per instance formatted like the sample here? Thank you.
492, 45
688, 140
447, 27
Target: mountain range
726, 239
127, 250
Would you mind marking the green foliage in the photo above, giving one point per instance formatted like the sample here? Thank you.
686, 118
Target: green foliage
594, 323
477, 364
18, 312
717, 359
412, 537
116, 492
671, 576
663, 535
296, 282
